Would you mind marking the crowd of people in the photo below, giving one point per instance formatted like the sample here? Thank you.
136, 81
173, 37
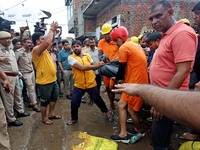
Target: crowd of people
151, 67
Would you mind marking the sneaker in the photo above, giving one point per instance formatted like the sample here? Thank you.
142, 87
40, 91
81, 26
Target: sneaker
129, 120
117, 138
83, 100
150, 119
131, 131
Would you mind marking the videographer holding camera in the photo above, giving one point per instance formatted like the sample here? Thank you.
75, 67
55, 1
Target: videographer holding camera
46, 73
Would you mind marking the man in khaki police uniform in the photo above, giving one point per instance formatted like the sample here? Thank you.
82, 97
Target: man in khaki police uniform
24, 61
9, 66
4, 137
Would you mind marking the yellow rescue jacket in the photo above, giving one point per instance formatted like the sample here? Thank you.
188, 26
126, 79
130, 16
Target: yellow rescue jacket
83, 79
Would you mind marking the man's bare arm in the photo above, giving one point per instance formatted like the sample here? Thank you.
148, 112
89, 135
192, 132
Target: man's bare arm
48, 41
183, 70
81, 67
181, 106
60, 65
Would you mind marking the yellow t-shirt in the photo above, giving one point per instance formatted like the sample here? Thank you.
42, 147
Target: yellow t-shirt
45, 68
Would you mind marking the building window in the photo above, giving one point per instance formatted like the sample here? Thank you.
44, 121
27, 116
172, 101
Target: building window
70, 10
114, 19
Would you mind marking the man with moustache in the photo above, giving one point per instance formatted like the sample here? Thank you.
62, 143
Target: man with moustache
107, 46
66, 68
8, 64
93, 51
84, 81
171, 65
25, 64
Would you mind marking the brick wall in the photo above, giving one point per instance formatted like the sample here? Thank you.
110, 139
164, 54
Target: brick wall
90, 25
134, 14
77, 4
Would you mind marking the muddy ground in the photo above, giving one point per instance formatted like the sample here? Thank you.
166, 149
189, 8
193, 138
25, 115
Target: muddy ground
34, 135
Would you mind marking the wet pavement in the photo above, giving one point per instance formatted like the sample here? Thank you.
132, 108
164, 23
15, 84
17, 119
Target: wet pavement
35, 135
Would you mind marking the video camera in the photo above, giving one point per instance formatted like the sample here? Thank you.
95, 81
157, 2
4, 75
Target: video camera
39, 28
5, 25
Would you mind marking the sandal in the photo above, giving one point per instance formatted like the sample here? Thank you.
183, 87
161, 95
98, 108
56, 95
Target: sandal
55, 117
70, 122
47, 122
189, 137
111, 116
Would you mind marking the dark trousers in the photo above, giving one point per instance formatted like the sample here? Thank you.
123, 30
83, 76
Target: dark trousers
161, 132
77, 94
98, 80
58, 80
193, 80
24, 93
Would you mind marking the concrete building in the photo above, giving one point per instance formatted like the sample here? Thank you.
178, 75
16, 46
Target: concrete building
88, 16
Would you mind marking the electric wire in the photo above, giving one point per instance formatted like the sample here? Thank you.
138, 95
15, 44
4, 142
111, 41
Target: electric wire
15, 5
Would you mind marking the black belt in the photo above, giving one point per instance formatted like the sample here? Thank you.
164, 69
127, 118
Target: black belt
11, 74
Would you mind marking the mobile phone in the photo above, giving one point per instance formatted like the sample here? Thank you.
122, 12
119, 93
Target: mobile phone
6, 88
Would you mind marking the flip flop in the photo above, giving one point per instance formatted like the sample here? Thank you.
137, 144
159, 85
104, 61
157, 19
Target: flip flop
70, 122
55, 117
48, 122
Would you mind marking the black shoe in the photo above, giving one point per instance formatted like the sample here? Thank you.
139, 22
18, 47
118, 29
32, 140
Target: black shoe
30, 106
15, 123
24, 114
83, 100
37, 109
117, 138
68, 97
131, 131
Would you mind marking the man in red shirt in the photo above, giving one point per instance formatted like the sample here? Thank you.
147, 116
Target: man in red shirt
171, 65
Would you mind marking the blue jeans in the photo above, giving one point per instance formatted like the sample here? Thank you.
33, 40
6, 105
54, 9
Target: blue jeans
161, 132
77, 94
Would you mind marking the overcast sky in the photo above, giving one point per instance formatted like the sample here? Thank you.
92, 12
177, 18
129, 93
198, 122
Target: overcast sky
56, 7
